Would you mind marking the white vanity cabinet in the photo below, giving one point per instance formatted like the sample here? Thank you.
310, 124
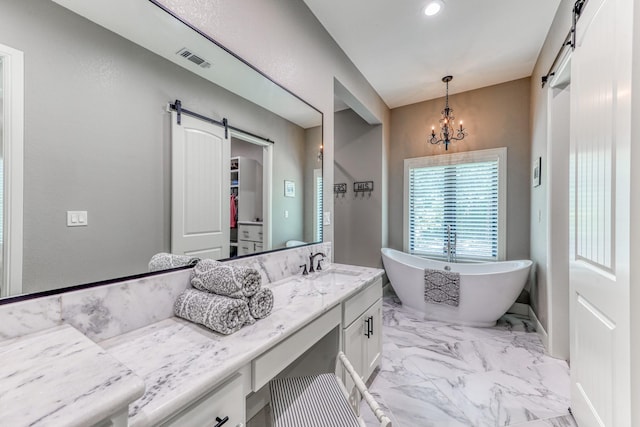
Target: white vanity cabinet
362, 333
249, 238
225, 401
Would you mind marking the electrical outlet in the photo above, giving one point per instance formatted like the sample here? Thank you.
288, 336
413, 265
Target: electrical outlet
286, 213
327, 218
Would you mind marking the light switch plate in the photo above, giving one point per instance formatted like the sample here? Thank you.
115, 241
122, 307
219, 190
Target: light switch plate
77, 219
327, 218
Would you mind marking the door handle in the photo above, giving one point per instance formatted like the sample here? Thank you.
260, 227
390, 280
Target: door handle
221, 421
370, 325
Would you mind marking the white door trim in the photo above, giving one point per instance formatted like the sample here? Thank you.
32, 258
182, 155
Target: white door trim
267, 184
557, 239
13, 137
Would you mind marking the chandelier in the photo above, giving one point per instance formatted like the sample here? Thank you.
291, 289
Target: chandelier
447, 131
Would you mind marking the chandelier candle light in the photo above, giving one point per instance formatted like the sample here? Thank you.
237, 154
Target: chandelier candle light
447, 123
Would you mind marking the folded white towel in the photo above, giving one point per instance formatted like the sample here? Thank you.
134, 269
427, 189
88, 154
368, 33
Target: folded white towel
221, 314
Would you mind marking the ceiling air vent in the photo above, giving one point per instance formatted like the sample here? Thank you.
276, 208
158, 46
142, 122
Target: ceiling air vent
188, 54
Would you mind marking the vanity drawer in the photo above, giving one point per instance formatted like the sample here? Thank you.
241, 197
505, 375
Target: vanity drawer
245, 247
251, 232
227, 400
359, 303
270, 363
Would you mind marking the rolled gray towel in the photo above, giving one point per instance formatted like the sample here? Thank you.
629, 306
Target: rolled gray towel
235, 282
165, 261
221, 314
261, 303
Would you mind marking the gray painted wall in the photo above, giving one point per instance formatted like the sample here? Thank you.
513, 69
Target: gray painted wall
97, 139
289, 166
357, 220
286, 41
495, 116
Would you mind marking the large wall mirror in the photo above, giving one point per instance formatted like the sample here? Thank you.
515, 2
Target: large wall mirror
98, 79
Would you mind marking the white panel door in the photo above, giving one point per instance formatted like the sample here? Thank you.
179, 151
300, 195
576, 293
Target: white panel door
200, 188
600, 215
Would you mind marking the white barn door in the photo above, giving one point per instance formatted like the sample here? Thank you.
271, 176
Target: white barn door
600, 215
199, 188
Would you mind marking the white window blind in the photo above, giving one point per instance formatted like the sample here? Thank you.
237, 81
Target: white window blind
318, 205
463, 195
1, 203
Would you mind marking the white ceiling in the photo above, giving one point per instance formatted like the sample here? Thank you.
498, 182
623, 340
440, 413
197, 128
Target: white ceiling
404, 54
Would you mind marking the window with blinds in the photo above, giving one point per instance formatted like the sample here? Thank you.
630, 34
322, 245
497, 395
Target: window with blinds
318, 205
1, 203
460, 193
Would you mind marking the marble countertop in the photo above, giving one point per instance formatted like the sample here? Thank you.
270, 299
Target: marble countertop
74, 381
180, 361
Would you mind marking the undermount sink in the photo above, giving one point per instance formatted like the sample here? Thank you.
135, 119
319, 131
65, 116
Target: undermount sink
333, 273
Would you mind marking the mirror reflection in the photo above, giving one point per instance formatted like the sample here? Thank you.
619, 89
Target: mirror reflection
98, 149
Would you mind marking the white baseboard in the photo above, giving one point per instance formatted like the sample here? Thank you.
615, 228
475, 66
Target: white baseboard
526, 310
543, 334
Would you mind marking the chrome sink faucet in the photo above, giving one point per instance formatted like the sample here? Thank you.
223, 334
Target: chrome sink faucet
311, 258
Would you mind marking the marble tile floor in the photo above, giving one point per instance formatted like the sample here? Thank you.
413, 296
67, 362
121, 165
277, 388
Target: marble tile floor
443, 375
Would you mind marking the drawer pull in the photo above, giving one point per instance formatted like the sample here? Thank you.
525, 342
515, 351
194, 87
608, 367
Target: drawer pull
221, 421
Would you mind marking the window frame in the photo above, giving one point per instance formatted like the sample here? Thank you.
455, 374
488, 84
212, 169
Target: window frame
499, 154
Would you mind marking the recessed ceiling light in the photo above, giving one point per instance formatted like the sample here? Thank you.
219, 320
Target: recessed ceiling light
433, 7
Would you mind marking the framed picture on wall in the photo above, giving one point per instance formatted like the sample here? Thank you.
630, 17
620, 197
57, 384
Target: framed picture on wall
536, 173
289, 189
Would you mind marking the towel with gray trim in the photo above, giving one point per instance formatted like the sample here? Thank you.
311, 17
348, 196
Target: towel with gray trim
441, 287
219, 313
165, 261
227, 280
261, 303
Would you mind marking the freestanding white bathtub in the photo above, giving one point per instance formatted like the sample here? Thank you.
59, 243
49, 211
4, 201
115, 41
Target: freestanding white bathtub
487, 290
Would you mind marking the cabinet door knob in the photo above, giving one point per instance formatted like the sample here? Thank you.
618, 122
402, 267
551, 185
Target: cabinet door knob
221, 421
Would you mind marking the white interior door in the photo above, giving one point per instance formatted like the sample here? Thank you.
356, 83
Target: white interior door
600, 217
200, 188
